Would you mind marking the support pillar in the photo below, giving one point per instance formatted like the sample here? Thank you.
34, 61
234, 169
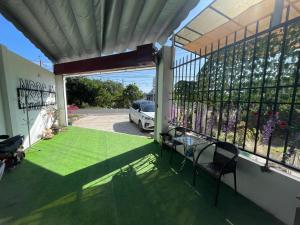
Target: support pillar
164, 82
61, 100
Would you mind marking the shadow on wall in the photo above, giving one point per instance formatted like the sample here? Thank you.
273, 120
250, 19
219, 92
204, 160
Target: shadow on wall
136, 187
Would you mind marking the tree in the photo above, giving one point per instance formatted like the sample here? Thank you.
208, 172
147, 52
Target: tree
106, 94
130, 94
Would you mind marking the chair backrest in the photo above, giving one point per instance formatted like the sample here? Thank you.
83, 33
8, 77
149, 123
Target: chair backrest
225, 152
179, 131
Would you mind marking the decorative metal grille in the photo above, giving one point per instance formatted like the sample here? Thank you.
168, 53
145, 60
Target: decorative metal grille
246, 93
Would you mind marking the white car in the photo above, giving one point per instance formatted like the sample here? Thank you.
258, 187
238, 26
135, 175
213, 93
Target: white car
142, 113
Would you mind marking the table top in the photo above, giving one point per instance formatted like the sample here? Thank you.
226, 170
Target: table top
189, 140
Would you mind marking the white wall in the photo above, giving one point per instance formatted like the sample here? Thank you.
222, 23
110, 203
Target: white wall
273, 191
12, 68
2, 121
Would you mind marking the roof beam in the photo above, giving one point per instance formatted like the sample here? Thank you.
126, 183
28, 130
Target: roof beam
142, 57
183, 38
190, 29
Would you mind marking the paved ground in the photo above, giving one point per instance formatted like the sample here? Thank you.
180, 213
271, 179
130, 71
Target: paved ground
101, 111
115, 120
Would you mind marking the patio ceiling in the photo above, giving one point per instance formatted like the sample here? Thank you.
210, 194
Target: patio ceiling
79, 29
225, 17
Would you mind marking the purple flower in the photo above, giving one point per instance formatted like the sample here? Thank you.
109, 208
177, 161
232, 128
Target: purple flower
229, 126
268, 128
210, 123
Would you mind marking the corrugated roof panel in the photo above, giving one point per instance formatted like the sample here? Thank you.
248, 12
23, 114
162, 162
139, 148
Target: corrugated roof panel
79, 29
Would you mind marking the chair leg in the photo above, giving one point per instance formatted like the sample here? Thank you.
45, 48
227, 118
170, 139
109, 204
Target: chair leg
234, 174
218, 190
172, 153
194, 176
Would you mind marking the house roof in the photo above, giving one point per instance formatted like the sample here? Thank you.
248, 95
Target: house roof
226, 17
78, 29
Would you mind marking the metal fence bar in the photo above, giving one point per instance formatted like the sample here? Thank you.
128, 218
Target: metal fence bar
195, 90
231, 80
292, 107
203, 91
278, 81
176, 87
240, 84
188, 84
212, 124
251, 81
174, 93
263, 87
222, 89
208, 87
185, 87
190, 92
198, 92
181, 91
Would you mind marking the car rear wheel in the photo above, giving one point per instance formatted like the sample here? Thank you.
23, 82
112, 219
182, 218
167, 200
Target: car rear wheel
130, 120
140, 126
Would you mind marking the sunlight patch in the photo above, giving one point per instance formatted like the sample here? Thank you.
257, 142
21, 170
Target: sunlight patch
138, 167
100, 181
67, 199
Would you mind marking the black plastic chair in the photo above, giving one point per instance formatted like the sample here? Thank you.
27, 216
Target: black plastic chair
224, 162
167, 139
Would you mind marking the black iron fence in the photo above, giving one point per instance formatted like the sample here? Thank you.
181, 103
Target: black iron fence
246, 93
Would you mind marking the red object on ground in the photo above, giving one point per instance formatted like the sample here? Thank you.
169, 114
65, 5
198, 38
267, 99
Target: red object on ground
282, 124
254, 113
72, 108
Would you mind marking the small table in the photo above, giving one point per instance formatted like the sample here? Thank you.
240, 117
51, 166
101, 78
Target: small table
190, 142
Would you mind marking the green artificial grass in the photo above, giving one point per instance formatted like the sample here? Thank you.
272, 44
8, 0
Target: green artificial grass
84, 176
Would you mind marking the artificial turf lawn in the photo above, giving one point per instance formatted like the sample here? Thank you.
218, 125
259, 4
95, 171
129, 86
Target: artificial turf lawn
84, 176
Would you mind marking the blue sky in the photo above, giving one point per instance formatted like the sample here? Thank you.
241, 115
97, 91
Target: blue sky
15, 41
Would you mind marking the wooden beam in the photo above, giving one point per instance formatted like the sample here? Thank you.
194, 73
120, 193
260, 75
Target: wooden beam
143, 56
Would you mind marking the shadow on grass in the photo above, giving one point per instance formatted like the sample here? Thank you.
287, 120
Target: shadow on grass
136, 187
129, 128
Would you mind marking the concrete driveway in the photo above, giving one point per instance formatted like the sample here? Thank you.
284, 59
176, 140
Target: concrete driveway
115, 120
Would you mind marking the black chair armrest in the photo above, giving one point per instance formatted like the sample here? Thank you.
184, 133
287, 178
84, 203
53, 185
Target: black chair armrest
202, 150
164, 134
4, 136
